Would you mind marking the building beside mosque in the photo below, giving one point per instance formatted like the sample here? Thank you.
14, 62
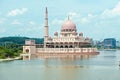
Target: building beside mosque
67, 43
109, 43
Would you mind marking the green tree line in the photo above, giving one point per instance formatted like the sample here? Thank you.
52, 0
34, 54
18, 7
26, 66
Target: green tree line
11, 47
10, 51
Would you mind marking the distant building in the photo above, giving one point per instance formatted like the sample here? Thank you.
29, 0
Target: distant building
117, 43
109, 43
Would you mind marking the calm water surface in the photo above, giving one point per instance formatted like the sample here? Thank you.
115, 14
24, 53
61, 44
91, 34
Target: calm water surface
101, 67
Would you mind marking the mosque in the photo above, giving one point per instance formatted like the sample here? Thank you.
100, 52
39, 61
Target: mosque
68, 44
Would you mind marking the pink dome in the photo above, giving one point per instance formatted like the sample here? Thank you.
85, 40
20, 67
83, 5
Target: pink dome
68, 25
80, 33
56, 33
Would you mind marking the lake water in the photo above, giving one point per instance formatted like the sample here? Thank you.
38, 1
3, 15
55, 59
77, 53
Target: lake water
104, 66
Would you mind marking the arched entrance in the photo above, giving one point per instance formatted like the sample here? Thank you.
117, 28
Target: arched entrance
61, 46
66, 46
70, 46
57, 46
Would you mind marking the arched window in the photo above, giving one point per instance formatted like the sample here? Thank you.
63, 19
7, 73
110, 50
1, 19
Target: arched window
52, 46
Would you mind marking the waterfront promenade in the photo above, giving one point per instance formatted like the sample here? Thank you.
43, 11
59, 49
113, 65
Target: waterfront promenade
10, 59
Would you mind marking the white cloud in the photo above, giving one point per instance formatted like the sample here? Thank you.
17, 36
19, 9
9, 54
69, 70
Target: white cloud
76, 18
2, 20
109, 13
32, 23
16, 12
40, 27
72, 14
104, 24
84, 20
117, 8
103, 17
2, 30
16, 22
32, 29
57, 22
87, 19
0, 13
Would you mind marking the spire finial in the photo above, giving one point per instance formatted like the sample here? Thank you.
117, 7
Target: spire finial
46, 10
68, 17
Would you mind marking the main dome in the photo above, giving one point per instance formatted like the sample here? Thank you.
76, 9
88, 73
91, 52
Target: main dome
68, 25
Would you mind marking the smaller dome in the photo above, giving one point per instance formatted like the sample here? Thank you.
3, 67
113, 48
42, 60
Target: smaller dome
56, 33
80, 34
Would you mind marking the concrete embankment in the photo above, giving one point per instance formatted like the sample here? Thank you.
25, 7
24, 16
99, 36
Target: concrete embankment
10, 59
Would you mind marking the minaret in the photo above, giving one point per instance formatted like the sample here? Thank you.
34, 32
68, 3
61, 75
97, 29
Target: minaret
46, 34
46, 23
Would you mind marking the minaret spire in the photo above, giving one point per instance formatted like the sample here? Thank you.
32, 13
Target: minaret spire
68, 17
46, 10
46, 34
46, 23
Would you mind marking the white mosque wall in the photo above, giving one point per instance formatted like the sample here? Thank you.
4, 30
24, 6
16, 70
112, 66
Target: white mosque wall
65, 50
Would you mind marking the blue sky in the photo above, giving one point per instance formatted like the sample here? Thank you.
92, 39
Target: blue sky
97, 19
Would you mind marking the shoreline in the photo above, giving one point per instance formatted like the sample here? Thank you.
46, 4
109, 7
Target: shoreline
10, 59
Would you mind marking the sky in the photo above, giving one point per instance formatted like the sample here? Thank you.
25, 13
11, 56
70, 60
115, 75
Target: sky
97, 19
